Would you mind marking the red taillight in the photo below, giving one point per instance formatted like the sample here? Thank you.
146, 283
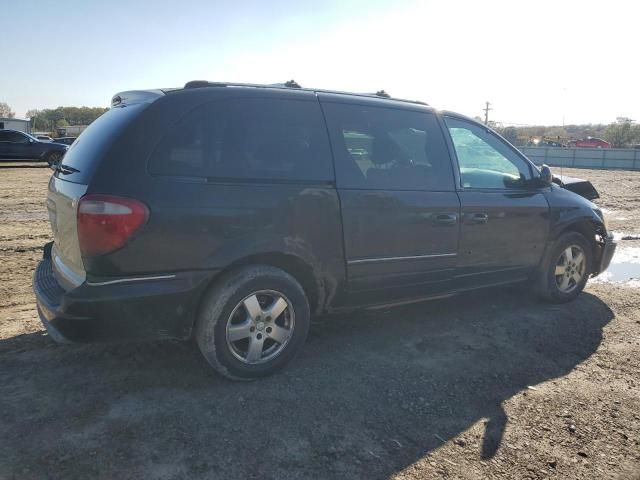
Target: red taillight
107, 222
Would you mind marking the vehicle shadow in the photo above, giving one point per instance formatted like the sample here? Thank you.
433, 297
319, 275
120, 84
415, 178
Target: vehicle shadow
371, 394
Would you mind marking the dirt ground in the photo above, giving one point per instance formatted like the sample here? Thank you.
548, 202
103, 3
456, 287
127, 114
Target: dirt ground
489, 385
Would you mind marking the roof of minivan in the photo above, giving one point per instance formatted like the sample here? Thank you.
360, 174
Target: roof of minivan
148, 96
281, 87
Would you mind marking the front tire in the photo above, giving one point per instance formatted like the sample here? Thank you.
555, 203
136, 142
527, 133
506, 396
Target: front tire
252, 322
566, 270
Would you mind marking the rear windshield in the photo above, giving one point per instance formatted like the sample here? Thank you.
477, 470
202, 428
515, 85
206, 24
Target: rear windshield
83, 156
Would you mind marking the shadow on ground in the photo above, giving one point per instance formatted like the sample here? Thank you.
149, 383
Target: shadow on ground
370, 394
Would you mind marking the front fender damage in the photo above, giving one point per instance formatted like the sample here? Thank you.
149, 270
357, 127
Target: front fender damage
582, 187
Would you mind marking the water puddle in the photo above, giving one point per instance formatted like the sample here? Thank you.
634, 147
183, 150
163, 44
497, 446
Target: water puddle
624, 268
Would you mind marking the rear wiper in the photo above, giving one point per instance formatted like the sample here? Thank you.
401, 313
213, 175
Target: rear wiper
65, 169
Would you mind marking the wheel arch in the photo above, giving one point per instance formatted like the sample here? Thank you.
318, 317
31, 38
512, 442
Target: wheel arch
294, 265
589, 229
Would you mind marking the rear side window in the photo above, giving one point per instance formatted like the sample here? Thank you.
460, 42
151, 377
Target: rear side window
15, 137
388, 148
247, 138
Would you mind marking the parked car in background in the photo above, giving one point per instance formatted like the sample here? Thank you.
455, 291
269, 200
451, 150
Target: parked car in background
589, 142
233, 213
65, 140
15, 145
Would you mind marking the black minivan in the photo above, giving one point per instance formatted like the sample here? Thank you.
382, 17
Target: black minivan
232, 213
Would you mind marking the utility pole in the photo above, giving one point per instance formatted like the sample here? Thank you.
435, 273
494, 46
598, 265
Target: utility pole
487, 107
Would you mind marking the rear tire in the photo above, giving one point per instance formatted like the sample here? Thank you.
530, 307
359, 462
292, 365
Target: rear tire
566, 269
252, 322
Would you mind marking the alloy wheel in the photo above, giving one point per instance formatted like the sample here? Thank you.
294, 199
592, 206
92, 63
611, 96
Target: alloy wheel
570, 268
260, 327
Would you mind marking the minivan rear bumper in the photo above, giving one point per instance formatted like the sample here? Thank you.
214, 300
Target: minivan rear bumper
145, 309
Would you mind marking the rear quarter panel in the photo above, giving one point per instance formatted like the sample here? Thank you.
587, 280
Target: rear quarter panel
200, 226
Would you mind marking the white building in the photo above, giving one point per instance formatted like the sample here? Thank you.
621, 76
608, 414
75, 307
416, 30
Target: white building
15, 124
71, 130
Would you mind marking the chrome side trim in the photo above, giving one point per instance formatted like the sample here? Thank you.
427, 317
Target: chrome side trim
394, 259
132, 279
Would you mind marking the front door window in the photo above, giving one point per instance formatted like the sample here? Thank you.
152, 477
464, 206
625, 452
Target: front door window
484, 160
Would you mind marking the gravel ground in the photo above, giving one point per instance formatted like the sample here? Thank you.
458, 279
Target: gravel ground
488, 385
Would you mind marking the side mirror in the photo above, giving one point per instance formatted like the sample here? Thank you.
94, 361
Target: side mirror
31, 140
546, 177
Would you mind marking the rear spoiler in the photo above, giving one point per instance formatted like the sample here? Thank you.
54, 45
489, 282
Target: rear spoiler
135, 96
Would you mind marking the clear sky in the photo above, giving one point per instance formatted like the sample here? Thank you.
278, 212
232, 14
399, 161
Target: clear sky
536, 61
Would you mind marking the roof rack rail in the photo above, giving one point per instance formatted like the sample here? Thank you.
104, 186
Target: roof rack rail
380, 94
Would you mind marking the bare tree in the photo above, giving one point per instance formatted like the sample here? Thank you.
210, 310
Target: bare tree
32, 113
5, 111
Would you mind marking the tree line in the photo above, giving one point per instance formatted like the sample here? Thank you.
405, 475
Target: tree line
623, 133
50, 119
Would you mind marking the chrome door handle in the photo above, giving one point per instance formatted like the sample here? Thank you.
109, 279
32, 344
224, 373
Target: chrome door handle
446, 219
479, 218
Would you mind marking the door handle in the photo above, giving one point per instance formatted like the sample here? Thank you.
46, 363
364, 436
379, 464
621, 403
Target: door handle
479, 218
446, 219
